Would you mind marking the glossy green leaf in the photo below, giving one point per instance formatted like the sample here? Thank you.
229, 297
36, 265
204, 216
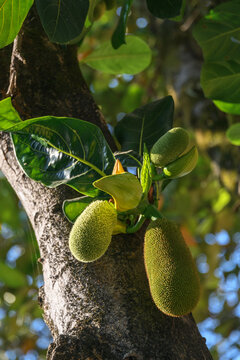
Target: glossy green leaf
74, 207
229, 108
12, 15
124, 188
145, 125
12, 278
118, 37
146, 172
131, 58
164, 9
218, 33
221, 80
62, 20
128, 158
233, 134
42, 147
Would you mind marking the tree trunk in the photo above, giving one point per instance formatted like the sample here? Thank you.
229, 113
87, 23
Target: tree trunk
100, 310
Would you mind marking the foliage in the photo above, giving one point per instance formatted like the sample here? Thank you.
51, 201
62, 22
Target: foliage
131, 58
218, 34
12, 15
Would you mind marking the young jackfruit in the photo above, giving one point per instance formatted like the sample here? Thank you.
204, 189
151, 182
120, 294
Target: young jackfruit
169, 147
183, 165
92, 232
171, 271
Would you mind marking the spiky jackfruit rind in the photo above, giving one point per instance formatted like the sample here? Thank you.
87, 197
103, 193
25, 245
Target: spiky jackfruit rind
183, 165
92, 232
171, 271
169, 147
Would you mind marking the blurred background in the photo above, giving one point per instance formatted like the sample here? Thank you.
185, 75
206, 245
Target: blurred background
205, 203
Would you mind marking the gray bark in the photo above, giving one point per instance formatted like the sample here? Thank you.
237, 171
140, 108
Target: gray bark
100, 310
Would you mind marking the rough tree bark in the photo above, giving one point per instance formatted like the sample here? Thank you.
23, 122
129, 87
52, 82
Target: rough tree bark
101, 310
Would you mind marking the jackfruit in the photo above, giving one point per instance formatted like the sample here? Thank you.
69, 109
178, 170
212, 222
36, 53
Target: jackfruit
171, 271
169, 146
92, 232
183, 165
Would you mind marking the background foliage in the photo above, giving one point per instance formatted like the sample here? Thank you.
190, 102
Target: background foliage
205, 203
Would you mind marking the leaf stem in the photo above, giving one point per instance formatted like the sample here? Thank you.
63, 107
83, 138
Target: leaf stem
159, 177
137, 226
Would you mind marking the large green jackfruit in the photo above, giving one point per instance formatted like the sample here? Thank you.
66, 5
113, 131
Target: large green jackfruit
171, 271
169, 147
92, 232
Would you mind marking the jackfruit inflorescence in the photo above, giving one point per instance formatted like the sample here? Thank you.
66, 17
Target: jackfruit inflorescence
171, 271
92, 232
169, 146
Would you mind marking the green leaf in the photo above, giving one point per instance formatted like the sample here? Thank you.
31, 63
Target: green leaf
12, 15
223, 199
9, 213
12, 278
146, 172
145, 125
131, 58
164, 9
180, 16
74, 207
8, 115
62, 20
218, 33
42, 147
233, 134
221, 80
124, 188
229, 108
118, 37
128, 158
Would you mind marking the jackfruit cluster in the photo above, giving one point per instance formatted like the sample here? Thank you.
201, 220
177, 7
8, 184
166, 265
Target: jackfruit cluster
92, 232
171, 271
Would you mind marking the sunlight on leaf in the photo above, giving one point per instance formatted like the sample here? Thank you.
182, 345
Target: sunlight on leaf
124, 188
